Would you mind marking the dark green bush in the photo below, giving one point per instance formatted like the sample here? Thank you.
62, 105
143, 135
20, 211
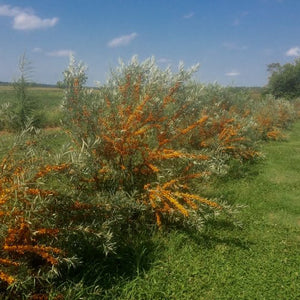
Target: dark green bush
284, 80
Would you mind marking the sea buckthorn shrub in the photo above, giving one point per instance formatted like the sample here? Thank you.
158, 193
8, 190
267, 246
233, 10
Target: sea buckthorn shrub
237, 122
132, 136
151, 134
272, 116
42, 224
227, 136
27, 233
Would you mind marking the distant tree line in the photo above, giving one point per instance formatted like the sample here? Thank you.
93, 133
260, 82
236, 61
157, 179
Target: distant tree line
284, 80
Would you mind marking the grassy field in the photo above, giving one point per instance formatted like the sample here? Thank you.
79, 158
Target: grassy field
257, 260
47, 101
46, 97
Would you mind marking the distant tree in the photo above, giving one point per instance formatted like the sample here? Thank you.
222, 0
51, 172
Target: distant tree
273, 67
284, 80
60, 84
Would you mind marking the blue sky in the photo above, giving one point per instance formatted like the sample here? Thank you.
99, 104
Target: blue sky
233, 40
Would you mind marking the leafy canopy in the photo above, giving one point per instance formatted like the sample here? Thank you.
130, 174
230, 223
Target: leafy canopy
284, 80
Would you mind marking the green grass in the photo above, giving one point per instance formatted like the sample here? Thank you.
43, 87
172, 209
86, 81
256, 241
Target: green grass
46, 97
47, 101
51, 139
259, 260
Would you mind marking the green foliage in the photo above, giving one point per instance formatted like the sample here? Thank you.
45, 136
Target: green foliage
284, 80
4, 115
24, 112
60, 85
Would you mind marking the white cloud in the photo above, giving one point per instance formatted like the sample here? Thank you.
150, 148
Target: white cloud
37, 50
61, 53
25, 19
232, 73
294, 51
188, 16
123, 40
7, 11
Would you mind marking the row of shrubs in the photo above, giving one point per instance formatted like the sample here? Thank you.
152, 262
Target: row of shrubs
143, 146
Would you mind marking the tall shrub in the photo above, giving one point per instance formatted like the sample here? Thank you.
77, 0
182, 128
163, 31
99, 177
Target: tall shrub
24, 113
133, 136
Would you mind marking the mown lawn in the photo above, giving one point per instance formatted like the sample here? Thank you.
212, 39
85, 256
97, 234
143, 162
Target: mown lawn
259, 260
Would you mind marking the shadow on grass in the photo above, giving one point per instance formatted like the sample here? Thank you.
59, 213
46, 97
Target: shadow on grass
210, 241
219, 232
144, 249
135, 257
248, 169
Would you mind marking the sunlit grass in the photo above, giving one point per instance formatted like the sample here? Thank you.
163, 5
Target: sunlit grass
47, 103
